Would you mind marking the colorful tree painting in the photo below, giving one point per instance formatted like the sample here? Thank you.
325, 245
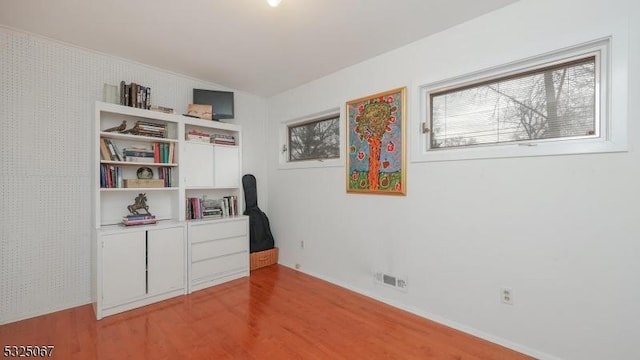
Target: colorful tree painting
376, 160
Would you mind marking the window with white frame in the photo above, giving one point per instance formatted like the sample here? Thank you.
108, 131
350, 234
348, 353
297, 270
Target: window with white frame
553, 104
316, 139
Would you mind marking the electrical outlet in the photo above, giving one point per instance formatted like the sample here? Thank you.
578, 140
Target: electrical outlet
298, 266
302, 244
506, 295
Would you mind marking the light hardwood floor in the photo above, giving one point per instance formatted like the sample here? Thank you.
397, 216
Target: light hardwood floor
277, 313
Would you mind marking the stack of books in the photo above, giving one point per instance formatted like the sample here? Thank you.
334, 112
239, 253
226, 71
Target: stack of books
139, 155
147, 128
130, 220
223, 139
135, 95
196, 135
211, 209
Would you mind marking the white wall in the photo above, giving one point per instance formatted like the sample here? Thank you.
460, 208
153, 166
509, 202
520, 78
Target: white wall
47, 96
562, 231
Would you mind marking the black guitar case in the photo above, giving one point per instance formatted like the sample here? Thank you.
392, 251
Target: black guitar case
260, 237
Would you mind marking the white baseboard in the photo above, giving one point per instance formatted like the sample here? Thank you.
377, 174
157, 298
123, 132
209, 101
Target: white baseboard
439, 319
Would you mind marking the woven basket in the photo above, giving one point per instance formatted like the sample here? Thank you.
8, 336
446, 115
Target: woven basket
264, 258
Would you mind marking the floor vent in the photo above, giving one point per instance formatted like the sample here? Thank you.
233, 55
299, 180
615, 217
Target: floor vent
399, 283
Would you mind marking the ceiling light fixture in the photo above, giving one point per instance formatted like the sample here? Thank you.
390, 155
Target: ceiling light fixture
274, 3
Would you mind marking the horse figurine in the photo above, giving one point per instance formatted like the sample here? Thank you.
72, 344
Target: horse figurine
140, 203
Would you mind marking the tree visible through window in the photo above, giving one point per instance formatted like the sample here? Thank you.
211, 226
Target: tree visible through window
318, 139
554, 102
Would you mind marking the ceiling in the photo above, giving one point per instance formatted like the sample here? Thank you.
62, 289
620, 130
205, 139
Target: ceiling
242, 44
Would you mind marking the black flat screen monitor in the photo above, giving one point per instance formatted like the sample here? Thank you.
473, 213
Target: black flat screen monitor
221, 101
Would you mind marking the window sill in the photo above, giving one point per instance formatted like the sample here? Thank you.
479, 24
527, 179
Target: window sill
309, 164
561, 147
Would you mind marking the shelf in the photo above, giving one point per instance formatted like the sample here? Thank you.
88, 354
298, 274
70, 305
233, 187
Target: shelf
118, 228
219, 219
129, 137
135, 112
189, 121
210, 144
138, 189
133, 163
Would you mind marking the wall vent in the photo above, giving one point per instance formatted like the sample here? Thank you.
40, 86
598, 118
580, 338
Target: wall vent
396, 282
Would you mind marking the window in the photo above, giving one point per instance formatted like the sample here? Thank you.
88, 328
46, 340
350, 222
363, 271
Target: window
556, 103
317, 139
552, 102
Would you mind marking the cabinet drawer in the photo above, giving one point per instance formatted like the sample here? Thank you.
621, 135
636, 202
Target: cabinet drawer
214, 231
220, 266
216, 248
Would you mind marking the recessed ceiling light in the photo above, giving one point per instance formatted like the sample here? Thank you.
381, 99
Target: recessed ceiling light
274, 3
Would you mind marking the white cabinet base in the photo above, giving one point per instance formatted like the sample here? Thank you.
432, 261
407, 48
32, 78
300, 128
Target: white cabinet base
138, 266
146, 300
218, 251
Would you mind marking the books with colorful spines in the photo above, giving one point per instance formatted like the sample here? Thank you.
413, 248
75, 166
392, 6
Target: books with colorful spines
142, 219
139, 222
134, 217
164, 173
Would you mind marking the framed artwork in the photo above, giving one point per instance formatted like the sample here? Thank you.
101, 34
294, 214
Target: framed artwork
376, 159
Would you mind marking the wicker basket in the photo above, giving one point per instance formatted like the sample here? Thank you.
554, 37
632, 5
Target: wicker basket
264, 258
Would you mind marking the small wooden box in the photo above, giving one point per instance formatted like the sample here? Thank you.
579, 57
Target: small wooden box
143, 183
264, 258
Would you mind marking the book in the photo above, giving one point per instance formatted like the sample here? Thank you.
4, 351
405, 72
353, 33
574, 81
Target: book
104, 151
138, 153
134, 217
139, 222
141, 159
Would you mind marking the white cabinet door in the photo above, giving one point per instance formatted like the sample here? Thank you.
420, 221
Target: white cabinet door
166, 258
226, 170
197, 164
123, 267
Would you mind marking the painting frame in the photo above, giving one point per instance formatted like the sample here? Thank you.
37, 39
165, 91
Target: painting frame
376, 149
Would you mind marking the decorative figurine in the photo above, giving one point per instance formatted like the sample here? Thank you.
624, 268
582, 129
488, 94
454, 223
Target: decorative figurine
140, 203
120, 128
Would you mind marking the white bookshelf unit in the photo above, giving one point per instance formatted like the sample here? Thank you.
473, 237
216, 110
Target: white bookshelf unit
133, 266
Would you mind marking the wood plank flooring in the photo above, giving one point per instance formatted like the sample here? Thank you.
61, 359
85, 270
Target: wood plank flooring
277, 313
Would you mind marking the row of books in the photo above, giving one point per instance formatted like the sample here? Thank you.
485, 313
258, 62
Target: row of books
111, 176
164, 173
138, 220
135, 95
222, 139
202, 208
197, 135
147, 128
159, 153
109, 150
